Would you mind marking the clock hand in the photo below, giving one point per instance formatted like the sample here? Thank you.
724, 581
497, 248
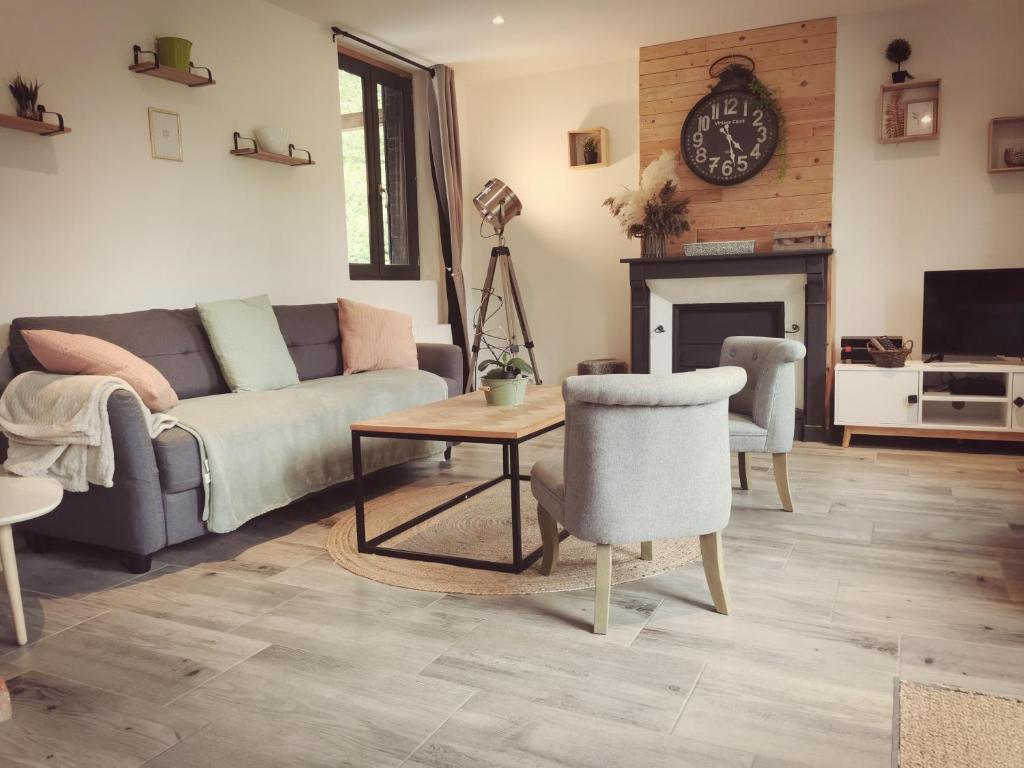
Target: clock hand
732, 141
725, 132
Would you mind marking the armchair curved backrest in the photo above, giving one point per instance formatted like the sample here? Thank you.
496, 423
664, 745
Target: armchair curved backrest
769, 397
646, 456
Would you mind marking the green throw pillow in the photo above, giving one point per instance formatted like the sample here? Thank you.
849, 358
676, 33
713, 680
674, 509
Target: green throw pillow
248, 344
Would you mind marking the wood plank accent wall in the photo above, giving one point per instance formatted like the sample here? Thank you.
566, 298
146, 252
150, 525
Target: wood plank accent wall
798, 61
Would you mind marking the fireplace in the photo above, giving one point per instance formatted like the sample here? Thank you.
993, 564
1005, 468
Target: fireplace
810, 265
698, 330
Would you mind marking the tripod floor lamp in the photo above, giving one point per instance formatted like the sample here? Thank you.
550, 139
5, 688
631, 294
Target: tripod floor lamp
498, 205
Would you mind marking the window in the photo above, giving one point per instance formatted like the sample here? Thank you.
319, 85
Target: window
379, 164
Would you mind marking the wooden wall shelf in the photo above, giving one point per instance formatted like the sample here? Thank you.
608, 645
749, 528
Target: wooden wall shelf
155, 69
1004, 133
576, 141
915, 92
254, 152
37, 127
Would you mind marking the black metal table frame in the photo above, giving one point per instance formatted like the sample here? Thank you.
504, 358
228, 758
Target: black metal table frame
510, 472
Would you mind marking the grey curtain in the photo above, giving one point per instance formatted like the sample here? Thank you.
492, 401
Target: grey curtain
446, 168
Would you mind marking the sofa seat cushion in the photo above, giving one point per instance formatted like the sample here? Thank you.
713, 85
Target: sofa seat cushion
177, 459
267, 449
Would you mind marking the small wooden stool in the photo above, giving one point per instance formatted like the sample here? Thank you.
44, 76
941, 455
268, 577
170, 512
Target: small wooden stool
601, 366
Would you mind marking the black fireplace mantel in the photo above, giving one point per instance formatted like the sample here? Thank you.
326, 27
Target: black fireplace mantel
813, 263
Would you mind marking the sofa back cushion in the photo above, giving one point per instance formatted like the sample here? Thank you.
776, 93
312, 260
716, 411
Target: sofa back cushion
173, 341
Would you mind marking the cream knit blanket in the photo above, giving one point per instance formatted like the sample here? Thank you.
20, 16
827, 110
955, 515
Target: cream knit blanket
59, 425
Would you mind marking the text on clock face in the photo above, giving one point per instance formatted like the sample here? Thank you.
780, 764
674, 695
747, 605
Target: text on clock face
729, 137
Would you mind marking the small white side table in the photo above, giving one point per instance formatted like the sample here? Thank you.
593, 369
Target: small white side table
21, 499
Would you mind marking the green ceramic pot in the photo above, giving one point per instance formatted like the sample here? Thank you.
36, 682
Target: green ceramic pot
504, 391
174, 52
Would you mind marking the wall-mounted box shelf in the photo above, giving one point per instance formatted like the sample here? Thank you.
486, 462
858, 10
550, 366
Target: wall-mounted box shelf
254, 152
155, 69
38, 127
1006, 137
909, 112
577, 152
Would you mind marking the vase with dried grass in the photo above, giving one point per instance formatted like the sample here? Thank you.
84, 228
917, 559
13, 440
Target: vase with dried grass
656, 211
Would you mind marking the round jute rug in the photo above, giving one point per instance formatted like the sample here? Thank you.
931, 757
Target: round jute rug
481, 528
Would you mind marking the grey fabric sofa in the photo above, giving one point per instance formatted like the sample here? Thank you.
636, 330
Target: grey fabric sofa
157, 497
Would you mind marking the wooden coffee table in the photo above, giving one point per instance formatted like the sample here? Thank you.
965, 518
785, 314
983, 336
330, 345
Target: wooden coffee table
464, 419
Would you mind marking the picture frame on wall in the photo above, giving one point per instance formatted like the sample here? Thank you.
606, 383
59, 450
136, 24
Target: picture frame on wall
165, 134
921, 117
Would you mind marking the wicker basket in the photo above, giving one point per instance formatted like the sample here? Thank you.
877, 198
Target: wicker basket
892, 358
1014, 156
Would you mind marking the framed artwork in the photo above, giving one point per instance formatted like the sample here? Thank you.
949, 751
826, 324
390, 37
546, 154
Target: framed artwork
165, 134
920, 117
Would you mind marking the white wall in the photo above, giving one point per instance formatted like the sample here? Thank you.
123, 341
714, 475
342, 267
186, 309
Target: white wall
905, 208
90, 223
565, 246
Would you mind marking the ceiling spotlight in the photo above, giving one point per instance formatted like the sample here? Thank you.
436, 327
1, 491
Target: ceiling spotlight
498, 20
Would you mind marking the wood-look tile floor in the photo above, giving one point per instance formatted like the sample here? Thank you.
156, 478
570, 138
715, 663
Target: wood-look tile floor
254, 649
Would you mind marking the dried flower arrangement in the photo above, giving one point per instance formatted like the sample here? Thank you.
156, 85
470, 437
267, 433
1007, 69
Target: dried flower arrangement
895, 124
654, 212
26, 95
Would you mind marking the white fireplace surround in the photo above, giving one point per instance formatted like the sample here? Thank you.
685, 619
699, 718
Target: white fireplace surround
788, 289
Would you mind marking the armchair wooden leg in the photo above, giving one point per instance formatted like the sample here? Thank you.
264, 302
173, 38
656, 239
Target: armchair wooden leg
744, 471
646, 550
780, 466
603, 589
714, 570
549, 539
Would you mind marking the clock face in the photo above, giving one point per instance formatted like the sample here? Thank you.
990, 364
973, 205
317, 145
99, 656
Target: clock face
729, 137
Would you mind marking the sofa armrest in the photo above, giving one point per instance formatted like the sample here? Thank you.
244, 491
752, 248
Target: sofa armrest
446, 361
130, 515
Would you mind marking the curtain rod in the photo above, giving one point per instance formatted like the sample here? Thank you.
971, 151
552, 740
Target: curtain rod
337, 32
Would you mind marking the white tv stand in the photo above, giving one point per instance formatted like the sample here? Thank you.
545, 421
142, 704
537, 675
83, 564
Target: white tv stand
910, 401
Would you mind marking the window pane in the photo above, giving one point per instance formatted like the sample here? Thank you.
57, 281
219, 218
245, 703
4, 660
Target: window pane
391, 138
353, 155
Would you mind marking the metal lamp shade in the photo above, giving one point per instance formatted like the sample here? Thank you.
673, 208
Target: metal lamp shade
498, 204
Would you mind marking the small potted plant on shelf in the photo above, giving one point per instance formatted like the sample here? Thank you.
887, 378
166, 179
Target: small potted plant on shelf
898, 51
503, 381
26, 96
590, 150
656, 211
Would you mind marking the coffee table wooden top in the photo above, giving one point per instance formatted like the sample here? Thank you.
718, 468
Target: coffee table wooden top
469, 416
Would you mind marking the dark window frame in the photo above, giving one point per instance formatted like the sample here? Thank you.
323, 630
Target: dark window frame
377, 269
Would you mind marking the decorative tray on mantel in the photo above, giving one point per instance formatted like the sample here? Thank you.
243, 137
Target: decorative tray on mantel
720, 248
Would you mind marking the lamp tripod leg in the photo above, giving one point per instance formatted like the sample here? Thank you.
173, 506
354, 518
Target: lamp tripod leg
517, 302
478, 331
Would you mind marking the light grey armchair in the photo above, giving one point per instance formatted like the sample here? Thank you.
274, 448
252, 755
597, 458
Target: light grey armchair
646, 458
762, 415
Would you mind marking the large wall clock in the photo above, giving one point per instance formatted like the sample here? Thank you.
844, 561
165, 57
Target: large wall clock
730, 135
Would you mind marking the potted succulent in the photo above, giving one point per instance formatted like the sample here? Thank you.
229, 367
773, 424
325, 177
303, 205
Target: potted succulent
656, 211
503, 381
26, 96
898, 51
590, 150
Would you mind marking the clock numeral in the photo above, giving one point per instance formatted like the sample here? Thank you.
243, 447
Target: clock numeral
697, 139
727, 168
705, 123
715, 111
762, 134
758, 117
715, 159
746, 106
701, 155
756, 151
731, 102
741, 163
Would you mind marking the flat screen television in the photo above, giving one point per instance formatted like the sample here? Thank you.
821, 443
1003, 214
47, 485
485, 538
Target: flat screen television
974, 312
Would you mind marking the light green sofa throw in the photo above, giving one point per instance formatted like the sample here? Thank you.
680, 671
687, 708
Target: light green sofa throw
247, 342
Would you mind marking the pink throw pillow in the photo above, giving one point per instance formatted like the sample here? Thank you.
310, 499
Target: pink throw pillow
373, 339
60, 352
